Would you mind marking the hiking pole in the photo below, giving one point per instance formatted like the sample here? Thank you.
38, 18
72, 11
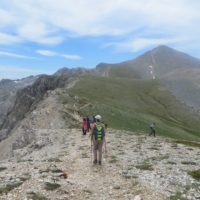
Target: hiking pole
91, 152
105, 147
91, 148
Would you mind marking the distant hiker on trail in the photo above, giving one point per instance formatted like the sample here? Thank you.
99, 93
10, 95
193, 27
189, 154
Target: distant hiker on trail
88, 124
84, 126
97, 137
152, 129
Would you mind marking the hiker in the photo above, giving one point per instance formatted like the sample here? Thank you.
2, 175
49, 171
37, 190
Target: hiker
152, 129
94, 119
92, 122
84, 126
88, 124
97, 137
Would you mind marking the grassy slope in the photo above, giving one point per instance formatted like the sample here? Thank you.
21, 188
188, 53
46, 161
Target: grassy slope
133, 104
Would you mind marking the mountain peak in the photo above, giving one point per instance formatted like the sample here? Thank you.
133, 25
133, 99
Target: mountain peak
162, 48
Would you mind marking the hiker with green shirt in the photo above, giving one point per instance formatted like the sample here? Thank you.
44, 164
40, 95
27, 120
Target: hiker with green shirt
97, 138
152, 129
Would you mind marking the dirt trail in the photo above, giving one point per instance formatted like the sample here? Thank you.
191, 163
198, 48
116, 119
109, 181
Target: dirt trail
106, 181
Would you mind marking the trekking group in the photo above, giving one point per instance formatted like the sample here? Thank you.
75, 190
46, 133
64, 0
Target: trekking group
97, 132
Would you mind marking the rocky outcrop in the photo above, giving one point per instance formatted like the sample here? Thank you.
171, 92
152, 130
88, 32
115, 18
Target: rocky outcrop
27, 99
8, 90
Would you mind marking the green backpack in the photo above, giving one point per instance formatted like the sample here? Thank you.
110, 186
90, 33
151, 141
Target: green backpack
98, 132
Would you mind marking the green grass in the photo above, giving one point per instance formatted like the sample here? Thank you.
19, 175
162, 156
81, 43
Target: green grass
51, 186
3, 168
177, 196
54, 160
20, 161
87, 191
195, 174
35, 196
50, 170
9, 187
144, 167
188, 163
113, 159
24, 178
84, 155
171, 163
131, 104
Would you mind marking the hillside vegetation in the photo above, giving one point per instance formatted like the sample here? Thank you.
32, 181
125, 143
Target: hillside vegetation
132, 104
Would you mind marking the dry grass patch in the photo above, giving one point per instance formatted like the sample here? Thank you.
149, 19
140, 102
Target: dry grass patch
144, 166
51, 186
3, 168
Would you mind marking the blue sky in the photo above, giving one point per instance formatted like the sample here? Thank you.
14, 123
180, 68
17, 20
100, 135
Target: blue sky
41, 36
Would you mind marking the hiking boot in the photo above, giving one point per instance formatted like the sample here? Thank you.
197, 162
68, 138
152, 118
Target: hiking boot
95, 162
99, 162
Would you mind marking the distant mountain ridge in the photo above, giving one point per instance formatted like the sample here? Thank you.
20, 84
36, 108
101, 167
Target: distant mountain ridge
176, 72
179, 71
162, 60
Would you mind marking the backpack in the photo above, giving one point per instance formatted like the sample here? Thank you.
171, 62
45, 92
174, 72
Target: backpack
98, 132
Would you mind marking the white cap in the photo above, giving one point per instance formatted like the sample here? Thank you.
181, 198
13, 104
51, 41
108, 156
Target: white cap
98, 117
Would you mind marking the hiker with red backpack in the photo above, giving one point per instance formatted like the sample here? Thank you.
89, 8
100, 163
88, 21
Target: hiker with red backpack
97, 138
88, 124
84, 126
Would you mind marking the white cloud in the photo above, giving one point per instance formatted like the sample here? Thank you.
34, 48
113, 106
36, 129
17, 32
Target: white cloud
111, 17
138, 44
50, 40
53, 53
8, 38
14, 55
5, 17
50, 22
46, 53
38, 32
71, 56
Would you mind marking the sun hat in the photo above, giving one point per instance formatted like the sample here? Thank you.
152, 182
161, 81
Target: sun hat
98, 117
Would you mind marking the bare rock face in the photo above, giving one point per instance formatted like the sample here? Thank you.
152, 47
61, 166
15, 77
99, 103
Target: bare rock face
26, 100
8, 90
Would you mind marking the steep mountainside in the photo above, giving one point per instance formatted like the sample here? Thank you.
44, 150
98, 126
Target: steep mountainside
131, 104
135, 95
27, 98
179, 71
8, 90
157, 63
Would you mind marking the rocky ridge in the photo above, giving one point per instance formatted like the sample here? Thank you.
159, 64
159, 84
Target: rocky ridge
134, 164
8, 90
27, 99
